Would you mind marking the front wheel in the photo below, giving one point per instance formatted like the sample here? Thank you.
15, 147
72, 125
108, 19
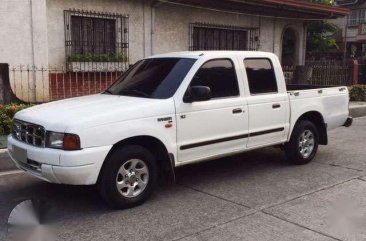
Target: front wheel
128, 177
303, 144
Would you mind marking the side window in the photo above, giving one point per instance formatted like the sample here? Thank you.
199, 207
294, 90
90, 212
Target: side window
261, 76
220, 76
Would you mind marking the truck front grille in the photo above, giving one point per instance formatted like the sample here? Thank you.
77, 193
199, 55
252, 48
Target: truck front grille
29, 133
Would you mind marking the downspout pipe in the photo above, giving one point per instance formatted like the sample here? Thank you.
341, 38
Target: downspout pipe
32, 51
154, 5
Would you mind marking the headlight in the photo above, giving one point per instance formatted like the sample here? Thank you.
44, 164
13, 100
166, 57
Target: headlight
63, 141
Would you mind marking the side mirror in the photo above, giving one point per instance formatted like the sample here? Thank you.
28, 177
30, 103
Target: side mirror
197, 93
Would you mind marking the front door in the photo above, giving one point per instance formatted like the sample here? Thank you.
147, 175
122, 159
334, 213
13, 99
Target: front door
219, 125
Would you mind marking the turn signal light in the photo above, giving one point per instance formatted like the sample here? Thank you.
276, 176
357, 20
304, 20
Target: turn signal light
71, 142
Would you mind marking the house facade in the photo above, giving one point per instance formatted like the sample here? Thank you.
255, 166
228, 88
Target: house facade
353, 28
101, 35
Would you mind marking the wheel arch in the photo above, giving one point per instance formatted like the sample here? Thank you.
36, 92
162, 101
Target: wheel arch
318, 120
165, 160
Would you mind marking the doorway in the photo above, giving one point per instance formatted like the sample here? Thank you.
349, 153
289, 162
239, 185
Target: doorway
289, 47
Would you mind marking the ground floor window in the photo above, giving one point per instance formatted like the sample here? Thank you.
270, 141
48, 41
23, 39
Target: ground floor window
218, 37
95, 37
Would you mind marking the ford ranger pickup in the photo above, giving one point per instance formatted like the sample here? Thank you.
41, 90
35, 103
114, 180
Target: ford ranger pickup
171, 110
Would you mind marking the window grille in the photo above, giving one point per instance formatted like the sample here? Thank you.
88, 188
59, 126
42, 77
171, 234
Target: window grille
95, 36
357, 17
220, 37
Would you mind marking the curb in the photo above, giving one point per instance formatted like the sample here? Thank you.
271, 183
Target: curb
357, 111
5, 163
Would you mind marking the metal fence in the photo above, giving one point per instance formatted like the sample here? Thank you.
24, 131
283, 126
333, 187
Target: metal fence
323, 73
332, 73
289, 72
34, 84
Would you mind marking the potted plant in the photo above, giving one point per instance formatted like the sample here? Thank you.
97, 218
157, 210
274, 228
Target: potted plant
90, 62
7, 113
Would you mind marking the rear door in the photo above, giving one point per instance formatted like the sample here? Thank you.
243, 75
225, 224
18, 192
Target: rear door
219, 125
268, 104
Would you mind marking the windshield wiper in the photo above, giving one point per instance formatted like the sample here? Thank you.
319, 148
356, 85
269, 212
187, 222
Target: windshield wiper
136, 93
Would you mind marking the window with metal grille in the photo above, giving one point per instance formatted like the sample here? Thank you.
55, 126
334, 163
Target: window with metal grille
353, 18
357, 16
217, 37
96, 37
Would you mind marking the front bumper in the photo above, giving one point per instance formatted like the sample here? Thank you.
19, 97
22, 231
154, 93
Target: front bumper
348, 122
80, 167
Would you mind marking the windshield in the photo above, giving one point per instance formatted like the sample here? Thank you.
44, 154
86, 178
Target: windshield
156, 78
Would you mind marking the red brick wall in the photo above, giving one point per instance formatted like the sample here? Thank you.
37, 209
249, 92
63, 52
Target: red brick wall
72, 84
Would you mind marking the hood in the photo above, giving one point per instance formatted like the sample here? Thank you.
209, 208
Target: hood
87, 111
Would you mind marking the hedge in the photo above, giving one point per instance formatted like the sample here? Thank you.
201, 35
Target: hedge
7, 113
357, 93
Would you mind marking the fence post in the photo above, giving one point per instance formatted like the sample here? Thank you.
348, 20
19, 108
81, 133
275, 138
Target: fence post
303, 74
6, 93
355, 71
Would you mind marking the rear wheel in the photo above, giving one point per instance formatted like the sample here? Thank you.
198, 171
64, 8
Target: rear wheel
128, 177
303, 144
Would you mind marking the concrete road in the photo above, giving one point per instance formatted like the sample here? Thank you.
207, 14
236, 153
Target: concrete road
253, 196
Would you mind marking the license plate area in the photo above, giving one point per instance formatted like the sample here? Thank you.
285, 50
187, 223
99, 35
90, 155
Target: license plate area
20, 154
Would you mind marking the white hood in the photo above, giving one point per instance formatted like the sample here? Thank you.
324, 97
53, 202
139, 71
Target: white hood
93, 110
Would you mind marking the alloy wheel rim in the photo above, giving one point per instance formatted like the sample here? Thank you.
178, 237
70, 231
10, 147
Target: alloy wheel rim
132, 178
306, 143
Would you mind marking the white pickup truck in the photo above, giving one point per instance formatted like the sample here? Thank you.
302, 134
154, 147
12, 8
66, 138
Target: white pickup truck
171, 110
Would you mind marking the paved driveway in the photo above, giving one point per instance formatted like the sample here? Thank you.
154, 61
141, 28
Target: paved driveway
253, 196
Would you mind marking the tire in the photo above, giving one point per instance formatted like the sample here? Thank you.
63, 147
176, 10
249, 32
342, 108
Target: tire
303, 144
128, 177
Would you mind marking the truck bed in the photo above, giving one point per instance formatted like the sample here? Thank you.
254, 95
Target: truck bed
331, 101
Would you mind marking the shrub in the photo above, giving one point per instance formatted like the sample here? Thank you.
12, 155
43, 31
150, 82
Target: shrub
7, 113
357, 93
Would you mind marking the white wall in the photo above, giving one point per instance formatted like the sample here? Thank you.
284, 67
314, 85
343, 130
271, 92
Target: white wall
24, 43
23, 34
171, 28
39, 38
56, 28
172, 25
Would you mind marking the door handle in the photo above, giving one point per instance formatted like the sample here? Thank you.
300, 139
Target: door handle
237, 111
276, 106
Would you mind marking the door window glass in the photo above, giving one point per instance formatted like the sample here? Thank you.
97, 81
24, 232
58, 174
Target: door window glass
219, 75
261, 76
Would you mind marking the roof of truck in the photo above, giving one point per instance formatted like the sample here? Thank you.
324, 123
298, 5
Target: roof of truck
216, 53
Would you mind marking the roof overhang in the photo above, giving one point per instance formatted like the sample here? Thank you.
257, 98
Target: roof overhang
273, 8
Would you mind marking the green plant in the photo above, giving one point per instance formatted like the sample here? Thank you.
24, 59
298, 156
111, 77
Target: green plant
321, 37
357, 93
90, 57
7, 113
